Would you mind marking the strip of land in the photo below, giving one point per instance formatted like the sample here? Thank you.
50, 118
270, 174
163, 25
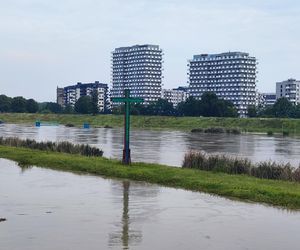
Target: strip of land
252, 125
279, 193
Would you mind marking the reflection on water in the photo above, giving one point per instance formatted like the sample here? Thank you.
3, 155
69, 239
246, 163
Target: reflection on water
166, 147
126, 236
48, 210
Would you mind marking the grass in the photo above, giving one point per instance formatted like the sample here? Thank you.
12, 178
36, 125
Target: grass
236, 165
278, 193
254, 125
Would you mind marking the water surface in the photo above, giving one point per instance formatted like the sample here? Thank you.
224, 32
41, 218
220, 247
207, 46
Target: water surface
166, 147
47, 209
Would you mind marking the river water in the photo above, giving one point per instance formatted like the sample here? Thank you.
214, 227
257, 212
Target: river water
47, 209
166, 147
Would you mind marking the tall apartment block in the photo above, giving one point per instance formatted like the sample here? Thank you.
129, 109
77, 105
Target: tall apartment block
175, 96
232, 76
289, 89
72, 93
138, 68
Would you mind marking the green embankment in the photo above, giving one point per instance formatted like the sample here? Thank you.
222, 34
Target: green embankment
279, 193
259, 125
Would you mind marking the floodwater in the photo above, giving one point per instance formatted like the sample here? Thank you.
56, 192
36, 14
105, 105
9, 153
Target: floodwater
166, 147
47, 209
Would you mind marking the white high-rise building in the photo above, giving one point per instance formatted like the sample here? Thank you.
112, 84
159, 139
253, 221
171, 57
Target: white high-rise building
232, 76
138, 68
175, 96
289, 89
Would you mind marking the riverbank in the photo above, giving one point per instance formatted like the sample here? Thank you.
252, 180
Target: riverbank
278, 193
250, 125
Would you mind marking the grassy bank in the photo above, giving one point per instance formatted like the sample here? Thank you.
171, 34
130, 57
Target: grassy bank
279, 193
290, 126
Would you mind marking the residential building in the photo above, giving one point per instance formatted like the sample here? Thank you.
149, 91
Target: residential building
232, 76
60, 96
175, 96
138, 68
72, 93
289, 89
269, 99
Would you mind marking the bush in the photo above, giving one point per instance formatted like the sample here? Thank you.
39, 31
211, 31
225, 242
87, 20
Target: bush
236, 165
63, 147
285, 133
270, 133
197, 130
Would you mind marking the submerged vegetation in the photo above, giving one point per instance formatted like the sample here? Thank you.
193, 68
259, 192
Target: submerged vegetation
280, 193
62, 147
235, 165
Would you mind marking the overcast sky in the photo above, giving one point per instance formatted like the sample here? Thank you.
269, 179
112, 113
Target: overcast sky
45, 43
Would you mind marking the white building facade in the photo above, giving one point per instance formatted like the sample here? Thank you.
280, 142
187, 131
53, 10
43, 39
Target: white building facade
138, 68
231, 76
175, 96
289, 89
74, 92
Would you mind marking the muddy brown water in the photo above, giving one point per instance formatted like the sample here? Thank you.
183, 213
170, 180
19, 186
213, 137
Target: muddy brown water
166, 147
47, 209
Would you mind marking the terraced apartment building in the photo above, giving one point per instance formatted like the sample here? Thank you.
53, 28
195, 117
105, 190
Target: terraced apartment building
138, 68
232, 76
69, 95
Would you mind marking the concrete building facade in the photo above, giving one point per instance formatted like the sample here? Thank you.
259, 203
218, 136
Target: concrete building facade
232, 76
138, 68
175, 96
72, 93
289, 89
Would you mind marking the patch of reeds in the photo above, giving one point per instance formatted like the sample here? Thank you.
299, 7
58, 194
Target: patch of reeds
217, 130
236, 165
70, 125
63, 147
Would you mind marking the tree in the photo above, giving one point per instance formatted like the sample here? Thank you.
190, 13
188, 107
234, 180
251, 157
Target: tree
32, 106
5, 103
191, 107
95, 99
282, 108
84, 105
252, 111
68, 109
53, 107
18, 104
163, 107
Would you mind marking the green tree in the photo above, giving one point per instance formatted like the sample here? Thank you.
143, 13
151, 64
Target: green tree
84, 105
53, 107
252, 111
32, 106
5, 103
68, 109
191, 107
95, 99
283, 108
18, 104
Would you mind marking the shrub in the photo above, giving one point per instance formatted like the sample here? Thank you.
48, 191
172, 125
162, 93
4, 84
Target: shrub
235, 165
63, 147
285, 133
270, 133
197, 130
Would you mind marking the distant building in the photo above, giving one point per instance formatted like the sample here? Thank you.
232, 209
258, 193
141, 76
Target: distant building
72, 93
232, 76
289, 89
175, 96
269, 99
138, 68
60, 96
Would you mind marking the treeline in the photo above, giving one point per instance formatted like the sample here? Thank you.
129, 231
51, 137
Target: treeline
84, 105
283, 108
209, 105
21, 105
